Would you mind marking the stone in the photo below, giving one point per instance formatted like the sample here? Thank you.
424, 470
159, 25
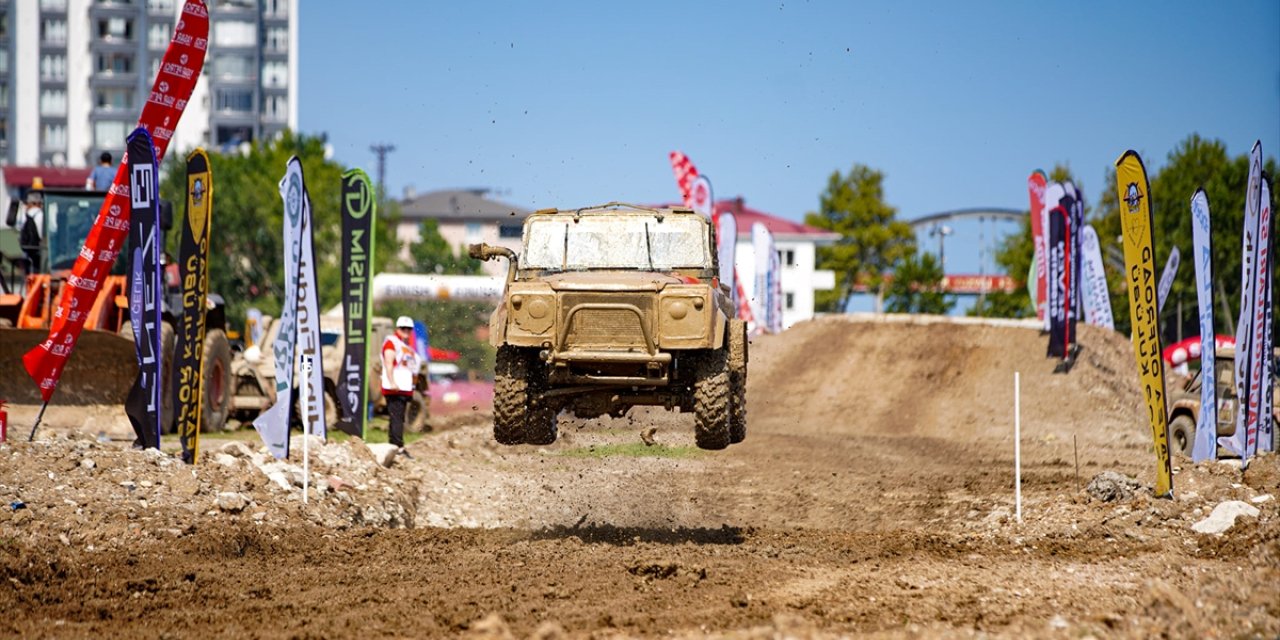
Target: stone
226, 460
1223, 516
88, 464
237, 449
1266, 497
1110, 486
384, 453
184, 484
231, 501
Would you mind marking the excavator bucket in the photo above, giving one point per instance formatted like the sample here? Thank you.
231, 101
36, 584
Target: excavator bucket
100, 370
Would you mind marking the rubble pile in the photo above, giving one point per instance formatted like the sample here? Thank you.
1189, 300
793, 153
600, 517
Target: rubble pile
95, 495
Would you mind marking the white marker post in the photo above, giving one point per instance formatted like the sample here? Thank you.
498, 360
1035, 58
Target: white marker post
1017, 445
306, 422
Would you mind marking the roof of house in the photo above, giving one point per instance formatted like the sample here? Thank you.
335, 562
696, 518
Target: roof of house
459, 204
781, 228
53, 177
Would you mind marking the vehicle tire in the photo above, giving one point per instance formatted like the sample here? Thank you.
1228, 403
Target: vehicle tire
1182, 434
711, 401
737, 381
510, 395
416, 414
216, 371
541, 428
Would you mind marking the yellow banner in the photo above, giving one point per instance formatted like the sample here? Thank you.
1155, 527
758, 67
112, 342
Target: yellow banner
1140, 278
193, 259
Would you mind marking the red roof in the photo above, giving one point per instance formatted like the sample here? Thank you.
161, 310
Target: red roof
53, 177
745, 217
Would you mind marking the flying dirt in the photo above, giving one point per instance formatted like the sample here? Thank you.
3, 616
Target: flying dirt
874, 496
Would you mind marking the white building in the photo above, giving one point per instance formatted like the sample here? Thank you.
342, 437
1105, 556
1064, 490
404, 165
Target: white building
797, 245
74, 75
463, 217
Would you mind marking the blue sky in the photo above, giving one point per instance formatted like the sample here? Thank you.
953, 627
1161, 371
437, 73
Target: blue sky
579, 103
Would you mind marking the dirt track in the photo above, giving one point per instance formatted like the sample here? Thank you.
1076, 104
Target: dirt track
872, 496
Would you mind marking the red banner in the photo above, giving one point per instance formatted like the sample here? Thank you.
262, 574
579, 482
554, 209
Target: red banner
1035, 188
685, 175
179, 71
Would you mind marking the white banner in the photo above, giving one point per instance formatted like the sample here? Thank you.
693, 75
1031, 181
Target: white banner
1097, 299
726, 249
1166, 277
700, 196
417, 286
1205, 447
1266, 428
1052, 196
273, 424
1258, 354
309, 320
762, 245
774, 319
1248, 275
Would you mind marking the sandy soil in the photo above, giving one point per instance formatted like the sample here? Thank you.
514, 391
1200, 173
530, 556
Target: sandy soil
873, 496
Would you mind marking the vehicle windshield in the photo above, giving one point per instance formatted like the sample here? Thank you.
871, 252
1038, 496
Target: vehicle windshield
70, 217
622, 242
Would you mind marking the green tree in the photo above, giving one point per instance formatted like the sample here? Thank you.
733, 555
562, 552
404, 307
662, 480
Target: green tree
246, 261
917, 286
872, 241
1195, 162
432, 254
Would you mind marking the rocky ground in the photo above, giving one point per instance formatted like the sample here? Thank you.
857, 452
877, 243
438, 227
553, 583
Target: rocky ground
873, 496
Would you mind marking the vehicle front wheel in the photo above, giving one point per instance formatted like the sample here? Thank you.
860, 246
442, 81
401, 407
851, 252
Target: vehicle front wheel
511, 395
1182, 434
711, 401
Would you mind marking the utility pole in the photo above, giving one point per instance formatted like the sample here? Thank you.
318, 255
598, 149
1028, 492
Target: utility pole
381, 150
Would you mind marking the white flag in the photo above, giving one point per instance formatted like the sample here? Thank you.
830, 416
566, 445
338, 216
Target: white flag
309, 322
1097, 299
1205, 446
1252, 202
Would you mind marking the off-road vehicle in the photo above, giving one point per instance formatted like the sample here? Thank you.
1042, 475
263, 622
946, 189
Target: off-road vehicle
610, 307
1184, 406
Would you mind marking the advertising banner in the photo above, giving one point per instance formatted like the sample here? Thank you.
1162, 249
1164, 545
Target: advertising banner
1248, 275
1076, 209
1258, 354
685, 174
1133, 191
1035, 187
273, 424
1166, 277
1266, 426
193, 265
1205, 446
143, 405
727, 248
359, 213
178, 72
1097, 299
767, 309
1059, 283
1053, 194
700, 196
312, 384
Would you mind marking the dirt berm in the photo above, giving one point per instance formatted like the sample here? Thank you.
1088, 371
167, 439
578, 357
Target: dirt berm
873, 496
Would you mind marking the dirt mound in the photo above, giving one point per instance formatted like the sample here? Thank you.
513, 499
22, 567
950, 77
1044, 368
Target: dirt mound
937, 377
101, 370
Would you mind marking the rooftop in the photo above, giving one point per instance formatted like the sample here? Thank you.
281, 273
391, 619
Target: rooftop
459, 204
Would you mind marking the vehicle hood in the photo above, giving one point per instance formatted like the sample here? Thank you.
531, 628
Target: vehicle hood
615, 280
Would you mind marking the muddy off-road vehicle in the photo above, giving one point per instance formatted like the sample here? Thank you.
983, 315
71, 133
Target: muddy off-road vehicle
1184, 406
610, 307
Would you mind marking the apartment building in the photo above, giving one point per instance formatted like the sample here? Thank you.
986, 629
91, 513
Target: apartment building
74, 75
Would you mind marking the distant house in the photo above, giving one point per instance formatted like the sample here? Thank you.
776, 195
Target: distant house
797, 245
464, 216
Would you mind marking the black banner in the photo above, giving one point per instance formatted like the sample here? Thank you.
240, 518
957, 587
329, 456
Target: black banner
1058, 280
143, 404
1077, 290
1071, 268
193, 258
359, 209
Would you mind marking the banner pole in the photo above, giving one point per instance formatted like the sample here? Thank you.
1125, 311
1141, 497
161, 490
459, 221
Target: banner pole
306, 422
1017, 444
38, 417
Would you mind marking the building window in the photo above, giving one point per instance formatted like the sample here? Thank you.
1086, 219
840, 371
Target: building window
4, 61
115, 29
510, 230
790, 301
114, 99
231, 67
787, 257
158, 35
53, 67
4, 25
4, 96
4, 132
235, 33
53, 32
229, 135
234, 100
53, 102
276, 9
474, 231
275, 75
275, 108
160, 6
53, 136
278, 39
109, 134
115, 63
236, 4
53, 5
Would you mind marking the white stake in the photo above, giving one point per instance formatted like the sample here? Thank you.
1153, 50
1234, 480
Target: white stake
1017, 445
306, 423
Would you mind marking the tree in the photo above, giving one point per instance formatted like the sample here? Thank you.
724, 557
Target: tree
871, 241
1195, 162
432, 254
246, 260
917, 287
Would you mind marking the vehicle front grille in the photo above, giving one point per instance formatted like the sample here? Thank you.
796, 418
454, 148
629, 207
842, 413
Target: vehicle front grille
605, 328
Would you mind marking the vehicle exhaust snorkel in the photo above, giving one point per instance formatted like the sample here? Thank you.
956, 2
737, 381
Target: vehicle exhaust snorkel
486, 252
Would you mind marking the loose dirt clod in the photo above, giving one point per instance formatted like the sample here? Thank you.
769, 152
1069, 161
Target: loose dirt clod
1110, 486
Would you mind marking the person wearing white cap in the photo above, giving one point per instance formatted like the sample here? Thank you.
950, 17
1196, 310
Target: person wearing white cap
400, 363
